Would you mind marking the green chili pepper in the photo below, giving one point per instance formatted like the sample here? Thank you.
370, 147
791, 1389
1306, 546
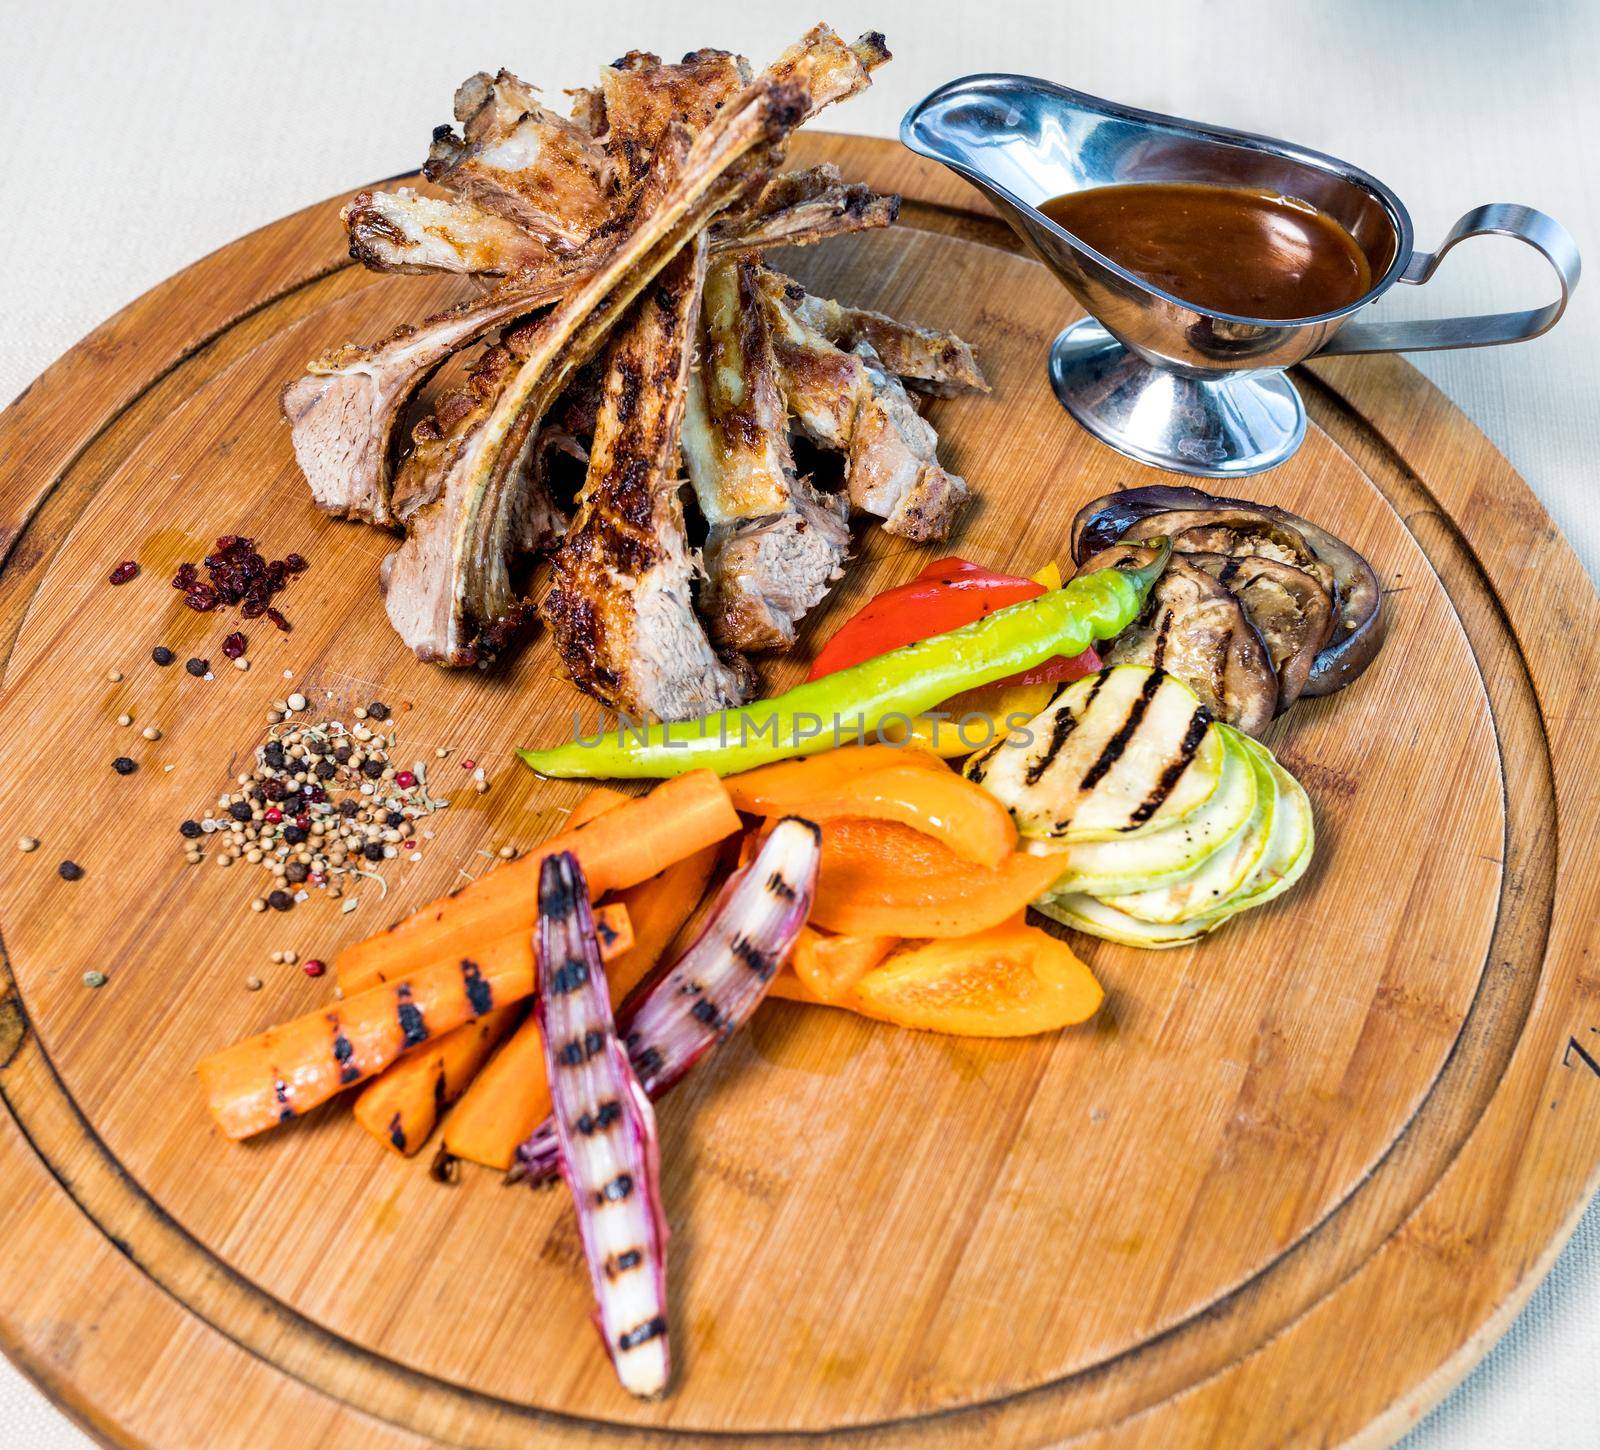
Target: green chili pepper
852, 705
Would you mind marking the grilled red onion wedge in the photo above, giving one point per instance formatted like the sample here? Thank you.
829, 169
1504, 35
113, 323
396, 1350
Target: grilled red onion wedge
607, 1134
712, 989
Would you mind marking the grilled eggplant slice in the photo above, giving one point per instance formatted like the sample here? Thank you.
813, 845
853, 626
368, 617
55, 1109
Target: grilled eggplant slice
1193, 627
1144, 861
1290, 610
1128, 749
1358, 623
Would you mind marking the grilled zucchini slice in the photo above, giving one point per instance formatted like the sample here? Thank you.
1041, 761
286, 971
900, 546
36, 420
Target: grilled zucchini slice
1130, 749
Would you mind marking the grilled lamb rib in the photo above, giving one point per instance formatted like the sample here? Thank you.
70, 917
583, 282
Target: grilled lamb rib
925, 359
848, 401
448, 588
522, 162
775, 543
620, 608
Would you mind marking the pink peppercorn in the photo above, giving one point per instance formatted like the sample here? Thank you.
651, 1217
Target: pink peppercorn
469, 764
274, 815
313, 968
304, 822
405, 779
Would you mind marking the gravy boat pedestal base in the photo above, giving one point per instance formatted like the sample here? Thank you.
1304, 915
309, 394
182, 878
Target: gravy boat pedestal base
1223, 427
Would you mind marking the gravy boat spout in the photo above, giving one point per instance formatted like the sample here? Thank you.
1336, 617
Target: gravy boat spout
1161, 379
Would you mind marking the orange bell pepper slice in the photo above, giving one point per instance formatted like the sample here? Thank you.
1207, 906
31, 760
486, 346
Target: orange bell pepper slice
1010, 981
921, 794
828, 966
881, 878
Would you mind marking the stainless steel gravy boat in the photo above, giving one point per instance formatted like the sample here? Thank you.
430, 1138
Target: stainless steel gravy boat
1161, 380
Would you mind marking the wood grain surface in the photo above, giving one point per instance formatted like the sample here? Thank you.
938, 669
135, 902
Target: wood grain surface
1286, 1188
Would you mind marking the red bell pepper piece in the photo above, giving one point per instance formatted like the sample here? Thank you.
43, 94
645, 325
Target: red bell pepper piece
946, 594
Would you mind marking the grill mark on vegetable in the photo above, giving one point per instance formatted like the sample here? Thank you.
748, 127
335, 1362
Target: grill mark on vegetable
397, 1134
759, 962
779, 887
413, 1029
280, 1093
1065, 723
570, 976
1219, 666
621, 1263
480, 995
643, 1334
647, 1061
1199, 723
705, 1010
601, 1118
1232, 567
1161, 639
616, 1191
1119, 741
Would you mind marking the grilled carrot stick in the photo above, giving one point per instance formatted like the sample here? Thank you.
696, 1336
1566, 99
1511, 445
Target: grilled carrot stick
620, 848
289, 1069
401, 1107
511, 1096
612, 926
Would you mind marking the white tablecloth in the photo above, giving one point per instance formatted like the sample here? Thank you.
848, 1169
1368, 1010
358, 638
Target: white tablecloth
142, 135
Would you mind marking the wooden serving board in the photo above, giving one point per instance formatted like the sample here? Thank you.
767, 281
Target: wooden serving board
1287, 1188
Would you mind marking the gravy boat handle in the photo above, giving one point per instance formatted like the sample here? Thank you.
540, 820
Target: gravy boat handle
1504, 219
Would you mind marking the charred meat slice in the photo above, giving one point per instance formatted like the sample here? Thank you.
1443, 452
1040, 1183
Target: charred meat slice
1193, 628
765, 574
1291, 611
775, 543
620, 608
641, 98
924, 358
848, 401
448, 588
345, 411
522, 162
404, 231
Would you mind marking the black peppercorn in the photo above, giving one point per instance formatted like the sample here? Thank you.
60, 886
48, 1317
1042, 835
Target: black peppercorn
349, 808
342, 753
162, 655
197, 667
296, 871
274, 790
191, 829
280, 901
293, 834
325, 770
70, 871
377, 710
395, 818
240, 810
372, 769
273, 755
373, 851
123, 766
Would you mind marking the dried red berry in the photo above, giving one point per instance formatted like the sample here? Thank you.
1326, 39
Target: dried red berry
278, 620
186, 577
313, 968
124, 571
405, 779
202, 598
295, 563
235, 645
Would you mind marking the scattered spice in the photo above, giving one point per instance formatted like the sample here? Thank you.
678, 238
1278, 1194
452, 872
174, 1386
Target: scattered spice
199, 668
322, 805
238, 574
124, 571
124, 719
241, 663
162, 655
313, 968
296, 701
70, 871
115, 676
27, 843
252, 984
95, 979
151, 733
123, 766
377, 710
235, 645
